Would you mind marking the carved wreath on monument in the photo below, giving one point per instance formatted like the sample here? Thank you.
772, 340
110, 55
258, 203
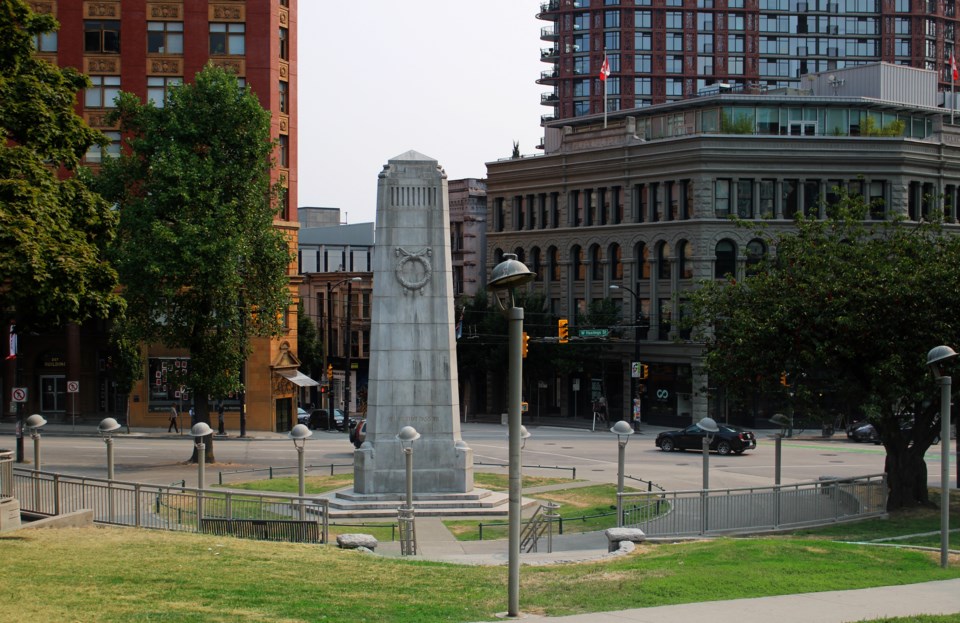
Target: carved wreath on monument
413, 270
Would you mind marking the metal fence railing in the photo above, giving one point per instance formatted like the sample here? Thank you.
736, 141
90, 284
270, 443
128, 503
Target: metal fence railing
6, 474
159, 506
755, 509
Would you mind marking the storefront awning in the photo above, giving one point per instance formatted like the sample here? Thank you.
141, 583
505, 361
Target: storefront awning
297, 378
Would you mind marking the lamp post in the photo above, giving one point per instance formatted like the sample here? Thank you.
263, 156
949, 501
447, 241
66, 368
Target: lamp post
198, 432
408, 541
35, 422
636, 347
504, 278
784, 423
709, 426
327, 351
107, 427
622, 430
299, 434
935, 358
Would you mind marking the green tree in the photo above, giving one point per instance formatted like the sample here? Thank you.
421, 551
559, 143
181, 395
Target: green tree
857, 302
309, 345
203, 267
54, 230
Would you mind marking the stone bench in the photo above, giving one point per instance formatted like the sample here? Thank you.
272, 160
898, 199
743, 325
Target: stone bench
357, 541
615, 536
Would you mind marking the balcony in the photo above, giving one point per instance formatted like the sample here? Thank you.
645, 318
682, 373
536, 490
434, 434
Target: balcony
549, 55
549, 76
548, 10
548, 33
549, 98
548, 118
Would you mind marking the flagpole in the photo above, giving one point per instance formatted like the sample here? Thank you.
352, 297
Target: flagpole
605, 73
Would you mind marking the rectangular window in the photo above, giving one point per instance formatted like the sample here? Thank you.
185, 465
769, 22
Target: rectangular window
641, 86
675, 20
102, 92
745, 198
96, 154
705, 22
581, 65
642, 19
227, 38
284, 148
674, 87
284, 44
735, 43
767, 198
46, 42
101, 37
675, 41
735, 65
158, 89
284, 90
642, 63
721, 198
611, 40
791, 198
643, 41
674, 64
611, 19
165, 37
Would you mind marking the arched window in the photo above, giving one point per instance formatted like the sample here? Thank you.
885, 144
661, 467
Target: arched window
535, 265
521, 255
685, 257
726, 259
596, 263
497, 256
553, 263
616, 262
756, 252
663, 261
576, 258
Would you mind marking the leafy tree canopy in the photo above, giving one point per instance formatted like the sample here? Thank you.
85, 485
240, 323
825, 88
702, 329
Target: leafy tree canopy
848, 304
203, 267
53, 230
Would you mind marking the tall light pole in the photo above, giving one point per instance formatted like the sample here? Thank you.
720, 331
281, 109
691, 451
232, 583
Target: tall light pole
327, 351
622, 430
35, 422
636, 347
505, 277
107, 427
299, 434
935, 358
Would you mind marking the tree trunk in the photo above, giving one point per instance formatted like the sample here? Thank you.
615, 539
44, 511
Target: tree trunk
906, 477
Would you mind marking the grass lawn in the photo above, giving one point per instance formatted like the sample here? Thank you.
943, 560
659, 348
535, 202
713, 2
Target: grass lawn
122, 575
926, 618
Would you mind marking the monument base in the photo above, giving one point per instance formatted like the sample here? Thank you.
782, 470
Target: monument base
440, 467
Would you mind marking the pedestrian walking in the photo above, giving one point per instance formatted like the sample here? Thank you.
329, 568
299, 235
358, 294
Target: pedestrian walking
173, 426
220, 429
193, 417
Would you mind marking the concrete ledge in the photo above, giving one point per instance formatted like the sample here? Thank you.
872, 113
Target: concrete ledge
77, 519
616, 537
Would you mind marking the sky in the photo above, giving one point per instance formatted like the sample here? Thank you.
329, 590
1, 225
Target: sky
452, 79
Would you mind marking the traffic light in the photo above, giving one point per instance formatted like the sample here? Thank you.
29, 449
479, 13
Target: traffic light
323, 389
783, 379
644, 371
329, 371
563, 330
524, 345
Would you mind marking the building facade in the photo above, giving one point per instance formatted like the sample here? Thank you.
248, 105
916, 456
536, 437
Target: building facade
664, 50
643, 203
146, 48
468, 221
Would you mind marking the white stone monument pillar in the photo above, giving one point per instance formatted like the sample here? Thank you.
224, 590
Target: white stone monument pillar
413, 356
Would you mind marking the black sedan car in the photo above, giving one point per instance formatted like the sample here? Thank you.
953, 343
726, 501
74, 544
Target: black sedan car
729, 439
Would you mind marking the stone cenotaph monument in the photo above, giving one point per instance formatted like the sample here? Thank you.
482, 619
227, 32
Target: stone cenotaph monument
413, 356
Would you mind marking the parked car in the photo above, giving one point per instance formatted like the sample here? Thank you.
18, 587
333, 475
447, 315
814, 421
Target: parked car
318, 419
729, 439
302, 416
862, 431
358, 432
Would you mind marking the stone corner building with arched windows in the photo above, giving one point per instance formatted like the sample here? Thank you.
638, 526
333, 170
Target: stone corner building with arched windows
642, 199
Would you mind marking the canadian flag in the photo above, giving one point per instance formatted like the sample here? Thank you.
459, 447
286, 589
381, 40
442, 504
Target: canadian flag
605, 69
954, 74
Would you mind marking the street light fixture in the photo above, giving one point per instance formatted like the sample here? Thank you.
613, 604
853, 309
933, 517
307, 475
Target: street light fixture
198, 432
784, 423
327, 343
35, 422
636, 351
408, 541
106, 428
299, 434
935, 359
505, 277
622, 430
709, 426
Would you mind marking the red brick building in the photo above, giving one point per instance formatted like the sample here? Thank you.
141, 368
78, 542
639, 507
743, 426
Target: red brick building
145, 47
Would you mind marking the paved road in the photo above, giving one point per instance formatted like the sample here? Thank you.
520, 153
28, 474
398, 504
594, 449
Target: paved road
152, 455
